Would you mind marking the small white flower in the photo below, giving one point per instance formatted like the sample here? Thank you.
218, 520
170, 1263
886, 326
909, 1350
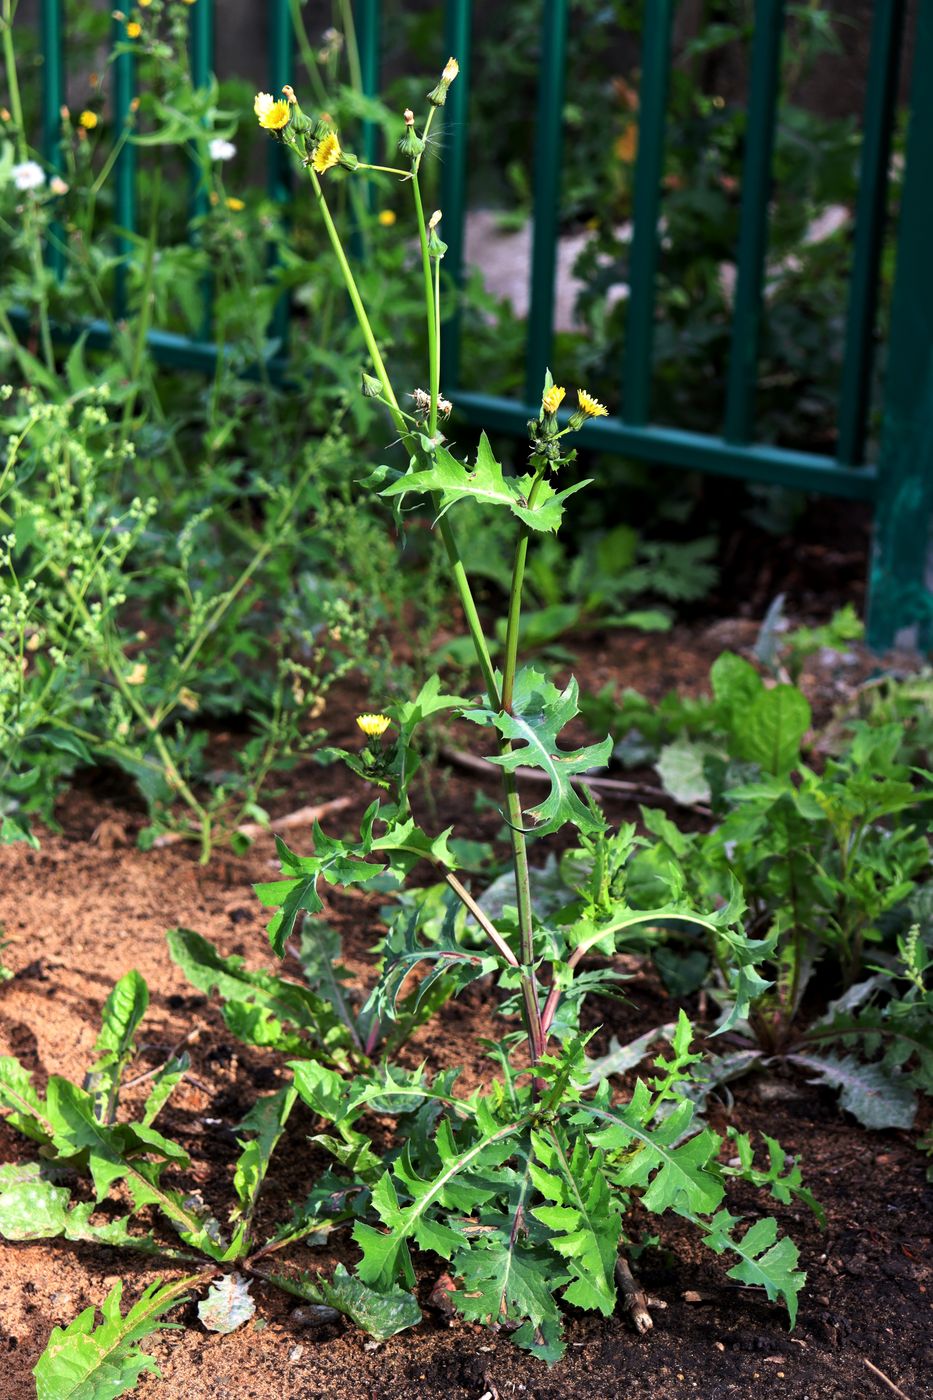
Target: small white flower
221, 149
28, 175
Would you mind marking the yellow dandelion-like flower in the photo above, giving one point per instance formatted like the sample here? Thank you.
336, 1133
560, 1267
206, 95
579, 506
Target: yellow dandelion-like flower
591, 407
144, 4
387, 217
552, 399
235, 204
133, 29
272, 115
373, 726
327, 153
88, 120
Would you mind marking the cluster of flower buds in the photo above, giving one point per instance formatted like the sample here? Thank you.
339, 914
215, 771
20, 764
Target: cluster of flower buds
317, 142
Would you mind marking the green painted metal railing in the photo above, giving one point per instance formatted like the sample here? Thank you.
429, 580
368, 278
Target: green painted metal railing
899, 485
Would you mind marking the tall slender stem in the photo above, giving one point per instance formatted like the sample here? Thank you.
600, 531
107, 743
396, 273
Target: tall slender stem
461, 582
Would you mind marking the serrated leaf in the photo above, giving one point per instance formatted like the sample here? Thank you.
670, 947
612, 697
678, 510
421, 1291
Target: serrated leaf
228, 1304
673, 1174
402, 953
123, 1010
266, 1119
32, 1207
877, 1096
764, 1260
84, 1362
381, 1313
585, 1228
539, 712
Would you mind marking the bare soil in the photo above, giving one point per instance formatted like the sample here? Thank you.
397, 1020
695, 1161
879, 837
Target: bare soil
89, 906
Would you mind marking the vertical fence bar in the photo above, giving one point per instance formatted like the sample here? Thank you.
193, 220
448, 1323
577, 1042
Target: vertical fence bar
870, 215
898, 595
53, 97
763, 87
458, 24
124, 86
649, 170
281, 71
546, 208
367, 16
201, 49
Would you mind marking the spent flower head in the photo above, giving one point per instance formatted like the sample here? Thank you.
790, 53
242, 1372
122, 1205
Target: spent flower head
438, 95
220, 149
373, 726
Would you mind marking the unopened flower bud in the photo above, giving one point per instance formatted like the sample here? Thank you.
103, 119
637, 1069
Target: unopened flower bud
411, 143
372, 389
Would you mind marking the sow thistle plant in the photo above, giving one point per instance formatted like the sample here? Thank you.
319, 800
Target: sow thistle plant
521, 1190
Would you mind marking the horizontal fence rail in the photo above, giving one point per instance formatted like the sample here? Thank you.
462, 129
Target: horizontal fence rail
899, 485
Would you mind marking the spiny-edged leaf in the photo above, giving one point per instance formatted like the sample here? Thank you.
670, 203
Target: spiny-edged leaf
228, 1304
783, 1184
28, 1113
585, 1228
507, 1274
673, 1174
539, 713
33, 1208
123, 1010
380, 1312
772, 728
84, 1362
402, 952
333, 860
455, 1186
267, 1119
429, 701
277, 999
548, 510
878, 1096
163, 1085
763, 1258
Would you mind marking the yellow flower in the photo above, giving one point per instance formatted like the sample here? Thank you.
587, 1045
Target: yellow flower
137, 674
144, 4
552, 399
133, 30
272, 115
88, 120
590, 407
373, 726
327, 153
387, 217
235, 204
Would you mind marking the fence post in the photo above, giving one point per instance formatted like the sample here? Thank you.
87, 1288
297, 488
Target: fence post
898, 595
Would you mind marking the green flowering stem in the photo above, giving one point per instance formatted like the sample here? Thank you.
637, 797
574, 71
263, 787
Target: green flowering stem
464, 592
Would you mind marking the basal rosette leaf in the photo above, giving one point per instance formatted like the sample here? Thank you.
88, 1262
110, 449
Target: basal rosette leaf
764, 1260
380, 1313
539, 713
123, 1010
87, 1362
33, 1207
585, 1227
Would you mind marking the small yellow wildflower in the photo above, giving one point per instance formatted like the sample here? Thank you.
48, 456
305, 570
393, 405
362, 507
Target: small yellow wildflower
373, 726
552, 399
88, 120
144, 4
387, 217
272, 115
590, 407
133, 29
235, 204
137, 674
326, 153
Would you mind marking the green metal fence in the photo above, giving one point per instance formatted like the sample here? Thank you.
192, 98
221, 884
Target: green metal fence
899, 485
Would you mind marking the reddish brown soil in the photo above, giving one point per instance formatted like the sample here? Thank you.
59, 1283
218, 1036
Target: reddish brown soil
82, 912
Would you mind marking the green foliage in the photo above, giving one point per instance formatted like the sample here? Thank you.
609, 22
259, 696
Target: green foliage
87, 1362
